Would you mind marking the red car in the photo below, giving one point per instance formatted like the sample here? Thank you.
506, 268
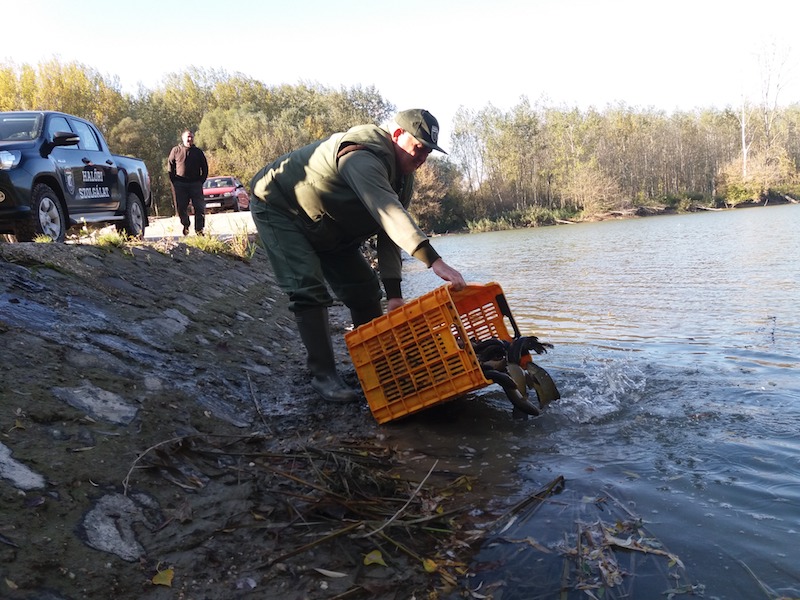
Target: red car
225, 193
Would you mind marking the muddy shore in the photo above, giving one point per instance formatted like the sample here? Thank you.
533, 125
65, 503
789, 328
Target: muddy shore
158, 440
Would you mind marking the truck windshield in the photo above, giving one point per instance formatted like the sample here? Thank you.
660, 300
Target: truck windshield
15, 128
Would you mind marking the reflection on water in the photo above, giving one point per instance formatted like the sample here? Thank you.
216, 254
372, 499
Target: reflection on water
677, 345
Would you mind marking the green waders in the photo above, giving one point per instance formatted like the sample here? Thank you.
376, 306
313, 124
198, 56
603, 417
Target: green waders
315, 332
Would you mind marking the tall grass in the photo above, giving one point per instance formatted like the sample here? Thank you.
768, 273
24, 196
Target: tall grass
239, 246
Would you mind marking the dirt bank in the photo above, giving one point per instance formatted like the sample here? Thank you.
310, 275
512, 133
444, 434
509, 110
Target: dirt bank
158, 440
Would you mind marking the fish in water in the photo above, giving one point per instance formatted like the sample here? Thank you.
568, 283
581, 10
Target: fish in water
536, 378
502, 363
540, 381
519, 400
522, 346
492, 353
518, 375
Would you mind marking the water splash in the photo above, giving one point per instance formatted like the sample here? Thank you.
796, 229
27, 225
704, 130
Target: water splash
602, 388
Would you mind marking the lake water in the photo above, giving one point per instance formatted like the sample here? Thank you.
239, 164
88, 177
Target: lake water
677, 355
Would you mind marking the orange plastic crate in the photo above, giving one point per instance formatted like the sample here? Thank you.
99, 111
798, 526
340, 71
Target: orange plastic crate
419, 355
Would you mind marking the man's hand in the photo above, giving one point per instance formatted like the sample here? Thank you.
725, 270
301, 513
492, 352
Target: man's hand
393, 303
448, 273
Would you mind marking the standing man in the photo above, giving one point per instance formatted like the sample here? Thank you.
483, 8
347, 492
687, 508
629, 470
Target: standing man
188, 169
317, 204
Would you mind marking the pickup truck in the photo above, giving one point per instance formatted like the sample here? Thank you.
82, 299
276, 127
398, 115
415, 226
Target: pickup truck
56, 171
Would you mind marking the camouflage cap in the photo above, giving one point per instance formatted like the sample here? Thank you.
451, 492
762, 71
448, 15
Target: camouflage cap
422, 125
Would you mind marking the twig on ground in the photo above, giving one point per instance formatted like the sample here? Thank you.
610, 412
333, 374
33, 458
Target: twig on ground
255, 403
510, 516
310, 545
126, 481
402, 508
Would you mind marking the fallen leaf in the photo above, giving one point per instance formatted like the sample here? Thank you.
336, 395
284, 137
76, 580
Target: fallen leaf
374, 558
430, 565
164, 577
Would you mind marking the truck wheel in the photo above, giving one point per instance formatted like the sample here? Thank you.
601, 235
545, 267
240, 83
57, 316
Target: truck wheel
47, 217
134, 222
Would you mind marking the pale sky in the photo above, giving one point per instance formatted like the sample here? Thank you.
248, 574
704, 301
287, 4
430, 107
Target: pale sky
434, 54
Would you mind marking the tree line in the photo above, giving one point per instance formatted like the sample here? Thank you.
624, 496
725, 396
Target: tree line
531, 165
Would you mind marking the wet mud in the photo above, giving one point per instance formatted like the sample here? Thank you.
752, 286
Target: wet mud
158, 439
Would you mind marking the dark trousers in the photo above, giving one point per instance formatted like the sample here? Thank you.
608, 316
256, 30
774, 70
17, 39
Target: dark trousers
302, 271
186, 192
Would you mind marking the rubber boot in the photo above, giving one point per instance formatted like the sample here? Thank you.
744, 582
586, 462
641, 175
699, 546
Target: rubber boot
316, 335
365, 314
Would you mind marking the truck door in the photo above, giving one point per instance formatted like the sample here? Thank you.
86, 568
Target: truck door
66, 159
96, 179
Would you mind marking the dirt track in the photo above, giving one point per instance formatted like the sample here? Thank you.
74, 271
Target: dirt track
219, 224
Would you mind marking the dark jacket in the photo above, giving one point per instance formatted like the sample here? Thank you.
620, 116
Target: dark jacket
187, 164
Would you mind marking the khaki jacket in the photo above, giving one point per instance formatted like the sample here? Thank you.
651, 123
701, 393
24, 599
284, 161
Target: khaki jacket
343, 196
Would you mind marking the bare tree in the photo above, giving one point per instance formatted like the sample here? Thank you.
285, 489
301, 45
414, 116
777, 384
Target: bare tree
774, 69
